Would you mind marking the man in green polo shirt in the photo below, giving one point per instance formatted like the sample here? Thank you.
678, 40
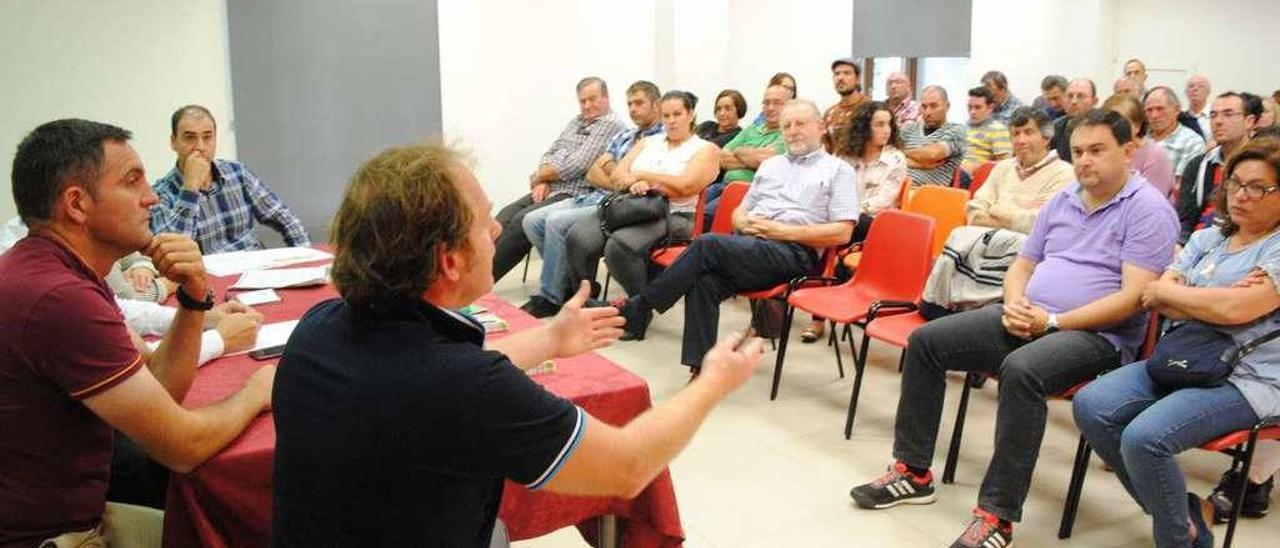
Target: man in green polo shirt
757, 142
754, 144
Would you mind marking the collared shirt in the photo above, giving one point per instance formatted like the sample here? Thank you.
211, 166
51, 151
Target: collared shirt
906, 112
221, 218
813, 189
988, 140
577, 147
348, 468
1205, 123
1004, 111
1080, 254
954, 136
753, 136
62, 340
624, 140
1181, 145
880, 181
1021, 192
838, 117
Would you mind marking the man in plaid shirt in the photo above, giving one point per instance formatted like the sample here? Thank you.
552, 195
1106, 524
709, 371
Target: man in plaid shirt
561, 173
215, 202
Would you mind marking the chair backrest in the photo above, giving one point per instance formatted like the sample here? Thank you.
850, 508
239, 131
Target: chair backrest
896, 256
698, 212
944, 204
722, 222
980, 176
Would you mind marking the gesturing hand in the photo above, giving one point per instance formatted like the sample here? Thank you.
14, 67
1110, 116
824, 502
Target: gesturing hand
732, 360
578, 329
178, 258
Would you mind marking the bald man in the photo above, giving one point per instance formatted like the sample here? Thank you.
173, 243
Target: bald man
1198, 90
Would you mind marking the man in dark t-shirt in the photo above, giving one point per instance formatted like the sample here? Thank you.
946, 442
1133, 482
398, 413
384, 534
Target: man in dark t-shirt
69, 373
396, 427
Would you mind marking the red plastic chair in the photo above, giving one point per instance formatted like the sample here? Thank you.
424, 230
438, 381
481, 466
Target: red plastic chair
721, 223
980, 176
895, 266
783, 290
945, 205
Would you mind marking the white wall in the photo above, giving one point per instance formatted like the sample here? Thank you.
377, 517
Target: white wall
1233, 43
1030, 39
126, 62
508, 82
801, 37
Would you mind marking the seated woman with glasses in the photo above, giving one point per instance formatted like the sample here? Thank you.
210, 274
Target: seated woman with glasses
1227, 276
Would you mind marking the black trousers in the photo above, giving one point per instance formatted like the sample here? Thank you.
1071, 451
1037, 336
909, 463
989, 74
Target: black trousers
136, 478
714, 268
512, 245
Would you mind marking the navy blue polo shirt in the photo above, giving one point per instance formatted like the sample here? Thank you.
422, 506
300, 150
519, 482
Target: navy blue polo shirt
394, 427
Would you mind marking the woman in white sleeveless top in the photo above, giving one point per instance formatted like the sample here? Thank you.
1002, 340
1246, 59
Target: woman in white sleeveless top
677, 165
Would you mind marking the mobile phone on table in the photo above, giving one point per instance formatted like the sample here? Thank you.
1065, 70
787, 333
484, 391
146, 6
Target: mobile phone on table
267, 353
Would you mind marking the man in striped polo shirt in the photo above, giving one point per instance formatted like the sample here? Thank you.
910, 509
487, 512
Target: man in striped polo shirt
933, 146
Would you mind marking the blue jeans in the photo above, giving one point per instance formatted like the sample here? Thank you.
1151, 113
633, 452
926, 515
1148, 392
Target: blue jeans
1138, 429
547, 228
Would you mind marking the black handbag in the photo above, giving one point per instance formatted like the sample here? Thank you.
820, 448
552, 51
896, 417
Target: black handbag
622, 209
1196, 354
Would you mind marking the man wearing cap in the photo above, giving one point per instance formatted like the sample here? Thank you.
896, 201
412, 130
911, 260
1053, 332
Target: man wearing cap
845, 74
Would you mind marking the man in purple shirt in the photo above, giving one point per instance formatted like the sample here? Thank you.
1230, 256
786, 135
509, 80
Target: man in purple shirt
1071, 311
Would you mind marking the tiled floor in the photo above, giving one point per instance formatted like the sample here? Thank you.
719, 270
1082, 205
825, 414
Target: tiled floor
766, 473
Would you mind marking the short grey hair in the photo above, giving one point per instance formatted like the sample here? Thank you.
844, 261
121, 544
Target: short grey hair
813, 107
1024, 115
1053, 81
590, 80
1168, 94
935, 88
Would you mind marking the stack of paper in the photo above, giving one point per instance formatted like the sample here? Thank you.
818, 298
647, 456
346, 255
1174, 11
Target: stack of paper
235, 262
272, 334
283, 277
492, 323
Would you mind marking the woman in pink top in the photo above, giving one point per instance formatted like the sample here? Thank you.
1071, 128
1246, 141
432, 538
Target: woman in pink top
1149, 159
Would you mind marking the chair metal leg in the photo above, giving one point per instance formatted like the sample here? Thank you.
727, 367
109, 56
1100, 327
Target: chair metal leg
604, 293
1075, 488
839, 360
1244, 482
860, 364
902, 359
782, 350
953, 453
848, 336
525, 277
831, 333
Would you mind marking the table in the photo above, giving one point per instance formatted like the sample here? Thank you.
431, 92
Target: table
227, 500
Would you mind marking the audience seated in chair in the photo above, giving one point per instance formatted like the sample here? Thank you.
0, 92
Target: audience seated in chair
933, 146
799, 203
1071, 311
216, 202
1181, 142
1053, 96
988, 138
1226, 276
562, 171
730, 107
548, 227
73, 373
395, 426
903, 105
1004, 102
1198, 90
754, 144
1082, 95
1149, 158
846, 76
676, 165
1237, 114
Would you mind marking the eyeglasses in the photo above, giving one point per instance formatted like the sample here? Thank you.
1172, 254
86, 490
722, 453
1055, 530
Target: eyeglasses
1214, 115
1256, 192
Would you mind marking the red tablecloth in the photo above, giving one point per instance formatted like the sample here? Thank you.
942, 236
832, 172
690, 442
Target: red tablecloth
227, 500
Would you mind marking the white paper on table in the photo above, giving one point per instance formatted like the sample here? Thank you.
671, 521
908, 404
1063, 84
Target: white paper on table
272, 334
262, 296
283, 277
235, 262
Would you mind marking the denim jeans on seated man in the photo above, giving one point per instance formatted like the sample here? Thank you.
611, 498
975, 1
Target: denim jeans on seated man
547, 229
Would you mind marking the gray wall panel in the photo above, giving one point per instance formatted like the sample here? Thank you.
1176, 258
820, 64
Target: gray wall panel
911, 28
320, 85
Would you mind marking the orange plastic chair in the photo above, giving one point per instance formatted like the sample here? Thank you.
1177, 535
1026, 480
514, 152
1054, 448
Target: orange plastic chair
721, 223
896, 266
945, 205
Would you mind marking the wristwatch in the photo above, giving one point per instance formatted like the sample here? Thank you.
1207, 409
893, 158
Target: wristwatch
189, 303
1051, 325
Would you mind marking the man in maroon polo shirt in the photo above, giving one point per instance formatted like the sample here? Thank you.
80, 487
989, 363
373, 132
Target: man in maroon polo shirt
69, 372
